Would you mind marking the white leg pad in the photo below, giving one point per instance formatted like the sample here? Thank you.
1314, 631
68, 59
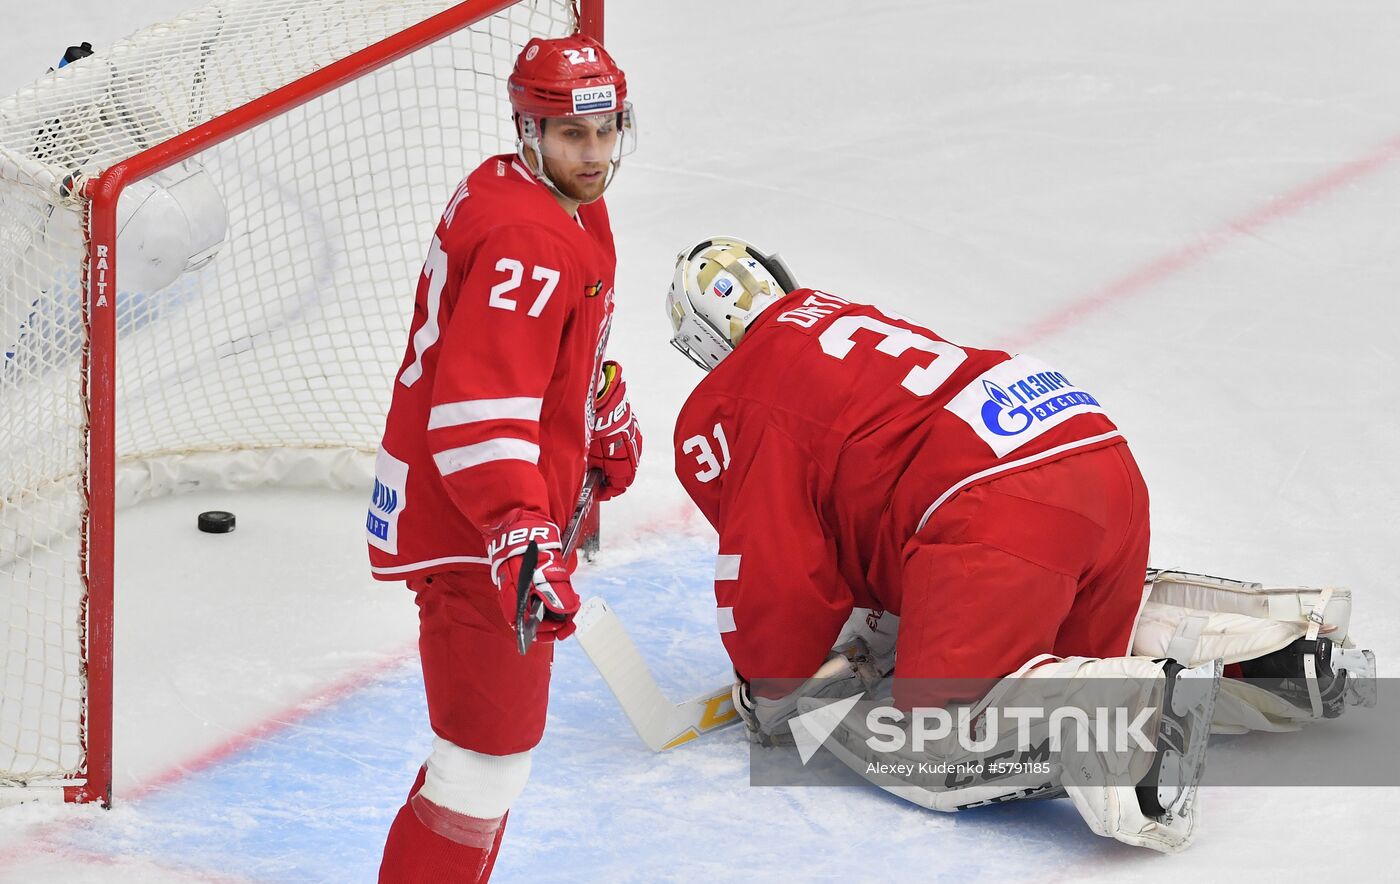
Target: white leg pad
1243, 707
1136, 678
1193, 618
1094, 777
473, 784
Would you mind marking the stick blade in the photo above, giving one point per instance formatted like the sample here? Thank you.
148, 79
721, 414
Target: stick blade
660, 723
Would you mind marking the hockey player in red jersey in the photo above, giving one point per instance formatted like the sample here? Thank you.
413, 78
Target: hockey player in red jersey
976, 512
889, 469
502, 402
881, 493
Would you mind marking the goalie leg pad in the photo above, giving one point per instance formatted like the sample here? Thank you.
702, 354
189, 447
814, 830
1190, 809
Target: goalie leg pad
1160, 812
1194, 618
1139, 793
1295, 637
851, 742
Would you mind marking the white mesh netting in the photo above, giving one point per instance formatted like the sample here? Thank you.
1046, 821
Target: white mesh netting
269, 356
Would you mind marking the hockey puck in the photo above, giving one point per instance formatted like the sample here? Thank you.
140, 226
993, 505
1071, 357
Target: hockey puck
216, 522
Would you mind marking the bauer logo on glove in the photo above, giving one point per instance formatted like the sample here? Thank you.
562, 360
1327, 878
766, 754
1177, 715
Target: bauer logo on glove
518, 537
532, 578
617, 440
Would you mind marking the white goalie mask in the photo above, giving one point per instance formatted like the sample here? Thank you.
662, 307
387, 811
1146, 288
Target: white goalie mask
720, 287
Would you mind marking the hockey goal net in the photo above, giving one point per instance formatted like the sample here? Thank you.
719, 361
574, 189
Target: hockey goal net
209, 236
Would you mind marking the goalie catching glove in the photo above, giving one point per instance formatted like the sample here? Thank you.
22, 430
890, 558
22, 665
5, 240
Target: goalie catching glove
617, 440
549, 584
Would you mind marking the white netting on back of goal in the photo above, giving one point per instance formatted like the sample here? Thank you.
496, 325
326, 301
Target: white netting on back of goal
270, 354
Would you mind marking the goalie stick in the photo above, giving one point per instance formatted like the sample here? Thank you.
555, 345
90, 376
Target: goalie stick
660, 723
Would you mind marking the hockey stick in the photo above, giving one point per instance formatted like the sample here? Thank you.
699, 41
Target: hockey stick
527, 615
660, 723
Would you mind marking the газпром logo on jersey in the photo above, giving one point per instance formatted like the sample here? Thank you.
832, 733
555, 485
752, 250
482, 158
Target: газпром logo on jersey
1015, 401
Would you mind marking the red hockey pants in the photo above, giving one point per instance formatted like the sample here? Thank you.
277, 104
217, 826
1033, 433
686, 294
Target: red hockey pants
1047, 560
482, 695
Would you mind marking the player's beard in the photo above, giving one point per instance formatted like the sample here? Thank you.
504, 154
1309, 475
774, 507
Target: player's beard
579, 191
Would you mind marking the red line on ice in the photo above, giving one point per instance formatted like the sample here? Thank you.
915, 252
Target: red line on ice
275, 723
1173, 262
37, 841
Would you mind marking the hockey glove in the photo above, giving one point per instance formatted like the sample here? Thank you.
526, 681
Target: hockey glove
617, 440
550, 582
850, 669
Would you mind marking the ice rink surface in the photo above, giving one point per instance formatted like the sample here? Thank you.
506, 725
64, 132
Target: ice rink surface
1190, 208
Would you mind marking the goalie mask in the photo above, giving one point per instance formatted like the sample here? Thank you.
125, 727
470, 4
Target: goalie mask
720, 287
570, 80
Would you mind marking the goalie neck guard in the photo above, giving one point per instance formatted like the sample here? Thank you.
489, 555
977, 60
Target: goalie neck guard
570, 76
720, 287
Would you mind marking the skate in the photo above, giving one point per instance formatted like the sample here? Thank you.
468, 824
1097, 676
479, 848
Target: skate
1342, 677
1169, 788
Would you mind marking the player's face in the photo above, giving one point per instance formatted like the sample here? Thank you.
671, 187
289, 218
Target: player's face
578, 152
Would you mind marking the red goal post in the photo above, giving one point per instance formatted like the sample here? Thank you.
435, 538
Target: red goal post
434, 73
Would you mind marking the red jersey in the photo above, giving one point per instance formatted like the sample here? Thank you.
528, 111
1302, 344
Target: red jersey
823, 443
492, 406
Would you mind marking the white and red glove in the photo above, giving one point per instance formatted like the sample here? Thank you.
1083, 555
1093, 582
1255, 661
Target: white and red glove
617, 440
551, 578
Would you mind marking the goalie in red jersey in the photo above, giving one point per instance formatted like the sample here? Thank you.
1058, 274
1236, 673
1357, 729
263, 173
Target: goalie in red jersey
853, 458
502, 401
882, 494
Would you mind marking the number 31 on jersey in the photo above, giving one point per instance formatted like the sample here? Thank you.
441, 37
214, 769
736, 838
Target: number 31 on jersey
704, 453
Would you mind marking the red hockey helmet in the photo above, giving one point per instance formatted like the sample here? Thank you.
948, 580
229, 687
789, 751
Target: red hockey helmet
566, 77
569, 77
